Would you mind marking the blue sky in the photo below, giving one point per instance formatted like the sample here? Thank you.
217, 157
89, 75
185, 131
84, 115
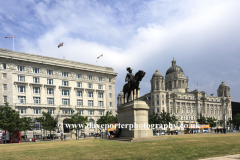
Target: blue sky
202, 35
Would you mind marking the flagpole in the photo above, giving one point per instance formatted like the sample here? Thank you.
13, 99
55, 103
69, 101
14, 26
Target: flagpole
102, 59
13, 41
63, 51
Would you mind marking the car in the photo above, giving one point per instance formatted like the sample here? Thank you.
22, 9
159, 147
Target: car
52, 136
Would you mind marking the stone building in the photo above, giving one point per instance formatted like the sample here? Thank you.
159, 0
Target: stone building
32, 84
172, 95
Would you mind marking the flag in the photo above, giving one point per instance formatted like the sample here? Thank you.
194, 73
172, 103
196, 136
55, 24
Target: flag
10, 37
60, 45
99, 56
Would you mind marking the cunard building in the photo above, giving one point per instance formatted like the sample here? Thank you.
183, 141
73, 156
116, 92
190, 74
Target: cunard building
32, 84
172, 95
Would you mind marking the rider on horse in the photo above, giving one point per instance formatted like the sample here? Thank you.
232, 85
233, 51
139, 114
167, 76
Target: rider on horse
129, 76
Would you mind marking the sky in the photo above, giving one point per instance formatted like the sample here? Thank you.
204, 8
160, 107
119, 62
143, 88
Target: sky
203, 36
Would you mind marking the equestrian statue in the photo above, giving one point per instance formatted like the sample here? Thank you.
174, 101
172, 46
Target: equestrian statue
133, 83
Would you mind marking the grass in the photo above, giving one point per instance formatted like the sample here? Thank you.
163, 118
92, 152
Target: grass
176, 147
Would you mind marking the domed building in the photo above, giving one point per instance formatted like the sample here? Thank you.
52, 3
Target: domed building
172, 95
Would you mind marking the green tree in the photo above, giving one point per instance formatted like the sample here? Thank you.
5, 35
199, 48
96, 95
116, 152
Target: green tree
79, 121
202, 119
154, 118
236, 120
211, 121
221, 122
107, 119
48, 122
166, 118
28, 124
9, 119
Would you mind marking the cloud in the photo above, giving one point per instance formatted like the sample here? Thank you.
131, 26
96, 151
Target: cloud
203, 36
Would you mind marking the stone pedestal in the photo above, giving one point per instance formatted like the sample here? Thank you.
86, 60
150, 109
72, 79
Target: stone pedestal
134, 113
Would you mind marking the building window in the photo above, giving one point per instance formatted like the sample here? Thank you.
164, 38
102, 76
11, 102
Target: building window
90, 85
101, 113
162, 102
21, 89
37, 111
4, 76
50, 72
219, 111
65, 92
215, 111
79, 93
66, 102
4, 87
4, 66
90, 112
99, 78
90, 102
100, 103
65, 74
158, 109
89, 77
50, 91
211, 112
188, 110
50, 101
20, 68
110, 79
35, 70
51, 111
157, 96
79, 102
100, 95
4, 99
162, 96
170, 110
163, 109
157, 102
49, 81
80, 112
66, 111
79, 84
177, 110
36, 90
100, 86
110, 95
21, 78
37, 126
21, 99
110, 87
65, 83
90, 94
22, 110
35, 80
36, 100
110, 104
79, 76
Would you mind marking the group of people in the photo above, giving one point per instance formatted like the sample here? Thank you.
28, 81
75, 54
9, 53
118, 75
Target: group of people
220, 130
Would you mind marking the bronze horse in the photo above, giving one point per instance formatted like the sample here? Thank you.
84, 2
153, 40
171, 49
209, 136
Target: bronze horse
134, 84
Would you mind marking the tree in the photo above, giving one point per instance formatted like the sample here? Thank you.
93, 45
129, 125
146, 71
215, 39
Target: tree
221, 122
79, 122
48, 122
166, 118
236, 120
9, 119
28, 124
211, 121
107, 119
154, 118
202, 119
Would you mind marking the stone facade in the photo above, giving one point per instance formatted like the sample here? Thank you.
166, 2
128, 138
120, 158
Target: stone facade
33, 84
173, 96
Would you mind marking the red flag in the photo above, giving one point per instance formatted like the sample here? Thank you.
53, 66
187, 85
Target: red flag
99, 56
10, 37
60, 45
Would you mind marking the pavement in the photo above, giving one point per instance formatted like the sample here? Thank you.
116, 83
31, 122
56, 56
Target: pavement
230, 157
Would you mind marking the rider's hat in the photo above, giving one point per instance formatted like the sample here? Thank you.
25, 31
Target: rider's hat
129, 68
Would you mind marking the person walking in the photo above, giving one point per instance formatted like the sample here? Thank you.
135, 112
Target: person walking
61, 134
